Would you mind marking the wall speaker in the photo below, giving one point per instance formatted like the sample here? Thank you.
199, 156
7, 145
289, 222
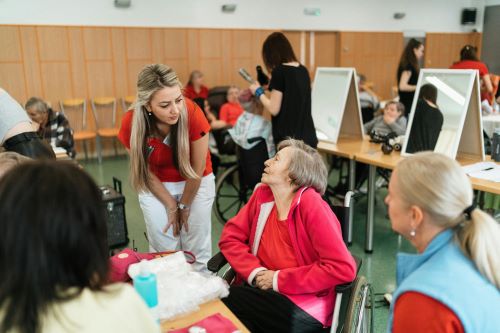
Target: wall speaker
469, 16
228, 8
122, 3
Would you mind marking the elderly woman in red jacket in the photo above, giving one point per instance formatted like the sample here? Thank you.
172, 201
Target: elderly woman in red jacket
286, 247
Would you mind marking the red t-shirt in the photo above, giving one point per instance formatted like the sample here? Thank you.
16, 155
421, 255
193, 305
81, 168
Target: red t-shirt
190, 93
160, 160
230, 112
418, 313
471, 64
275, 249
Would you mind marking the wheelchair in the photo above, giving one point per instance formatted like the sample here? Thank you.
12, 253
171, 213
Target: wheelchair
235, 185
353, 312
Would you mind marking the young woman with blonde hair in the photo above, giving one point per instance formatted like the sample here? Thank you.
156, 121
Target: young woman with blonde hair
452, 284
167, 135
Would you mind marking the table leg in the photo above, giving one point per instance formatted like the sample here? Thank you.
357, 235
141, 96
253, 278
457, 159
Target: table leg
370, 217
352, 185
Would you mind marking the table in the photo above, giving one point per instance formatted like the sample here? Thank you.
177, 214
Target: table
346, 148
481, 184
374, 159
490, 122
370, 153
205, 310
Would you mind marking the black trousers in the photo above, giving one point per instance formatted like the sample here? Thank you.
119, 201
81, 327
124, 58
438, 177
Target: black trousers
269, 311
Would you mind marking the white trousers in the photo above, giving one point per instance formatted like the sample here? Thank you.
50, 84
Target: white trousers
198, 239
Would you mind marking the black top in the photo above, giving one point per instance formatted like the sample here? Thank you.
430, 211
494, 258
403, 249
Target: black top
294, 119
406, 97
425, 129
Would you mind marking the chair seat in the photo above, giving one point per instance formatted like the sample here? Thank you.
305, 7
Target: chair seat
84, 135
108, 132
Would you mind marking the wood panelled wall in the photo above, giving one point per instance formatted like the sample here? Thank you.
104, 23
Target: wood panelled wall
57, 62
443, 49
72, 62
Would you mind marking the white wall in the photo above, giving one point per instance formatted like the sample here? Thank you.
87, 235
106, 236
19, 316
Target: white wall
362, 15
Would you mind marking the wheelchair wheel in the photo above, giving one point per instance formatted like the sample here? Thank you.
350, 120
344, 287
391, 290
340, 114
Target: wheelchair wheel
359, 316
230, 195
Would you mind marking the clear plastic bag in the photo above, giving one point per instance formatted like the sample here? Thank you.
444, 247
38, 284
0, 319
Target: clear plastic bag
180, 289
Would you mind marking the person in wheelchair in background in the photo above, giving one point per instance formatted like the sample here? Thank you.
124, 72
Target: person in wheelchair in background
286, 247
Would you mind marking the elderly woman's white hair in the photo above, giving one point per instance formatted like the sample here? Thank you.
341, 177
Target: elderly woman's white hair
306, 165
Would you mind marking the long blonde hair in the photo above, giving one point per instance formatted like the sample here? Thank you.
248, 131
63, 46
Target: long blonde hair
151, 79
439, 186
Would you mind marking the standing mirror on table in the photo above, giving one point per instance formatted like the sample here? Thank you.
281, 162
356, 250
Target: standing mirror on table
445, 115
335, 104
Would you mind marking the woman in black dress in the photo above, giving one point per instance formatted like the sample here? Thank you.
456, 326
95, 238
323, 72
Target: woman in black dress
408, 71
290, 100
427, 121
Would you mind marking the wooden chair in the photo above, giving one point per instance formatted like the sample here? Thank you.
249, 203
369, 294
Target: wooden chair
127, 102
104, 109
75, 111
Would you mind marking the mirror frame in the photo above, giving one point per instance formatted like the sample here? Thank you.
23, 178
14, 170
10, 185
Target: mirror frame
470, 89
350, 122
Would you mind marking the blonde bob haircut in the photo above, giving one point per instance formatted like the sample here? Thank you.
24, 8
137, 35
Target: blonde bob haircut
438, 185
306, 165
151, 79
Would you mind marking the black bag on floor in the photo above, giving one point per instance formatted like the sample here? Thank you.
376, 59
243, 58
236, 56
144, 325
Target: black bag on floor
114, 206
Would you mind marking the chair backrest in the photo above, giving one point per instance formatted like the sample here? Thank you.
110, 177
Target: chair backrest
251, 163
224, 142
127, 102
216, 97
75, 111
104, 109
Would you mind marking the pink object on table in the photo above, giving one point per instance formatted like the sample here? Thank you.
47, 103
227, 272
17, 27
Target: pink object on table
215, 323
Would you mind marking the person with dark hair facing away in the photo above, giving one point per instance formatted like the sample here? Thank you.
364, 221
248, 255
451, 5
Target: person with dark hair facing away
195, 90
408, 70
470, 60
17, 133
290, 99
427, 121
53, 127
54, 256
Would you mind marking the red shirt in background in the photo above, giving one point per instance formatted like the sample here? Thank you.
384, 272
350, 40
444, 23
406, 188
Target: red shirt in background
230, 112
160, 160
417, 313
190, 93
478, 65
275, 249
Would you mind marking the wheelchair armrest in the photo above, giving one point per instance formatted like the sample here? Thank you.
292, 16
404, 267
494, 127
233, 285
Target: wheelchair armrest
255, 139
216, 262
342, 288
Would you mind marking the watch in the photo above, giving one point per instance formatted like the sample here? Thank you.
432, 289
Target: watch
182, 206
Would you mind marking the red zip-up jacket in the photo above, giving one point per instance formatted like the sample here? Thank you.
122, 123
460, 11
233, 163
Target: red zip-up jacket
322, 257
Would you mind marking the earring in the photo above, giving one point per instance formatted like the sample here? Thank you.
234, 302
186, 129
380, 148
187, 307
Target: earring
149, 114
413, 233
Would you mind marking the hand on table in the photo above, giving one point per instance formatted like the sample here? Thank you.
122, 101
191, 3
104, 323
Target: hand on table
264, 279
